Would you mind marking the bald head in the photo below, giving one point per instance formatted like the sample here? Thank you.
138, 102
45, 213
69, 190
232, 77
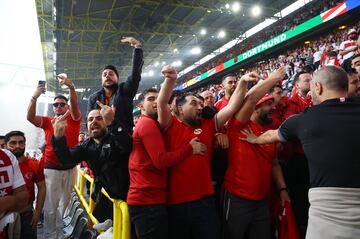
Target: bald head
327, 83
333, 78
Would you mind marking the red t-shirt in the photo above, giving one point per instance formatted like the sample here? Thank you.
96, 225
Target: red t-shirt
33, 173
221, 103
249, 167
71, 132
278, 114
148, 164
190, 180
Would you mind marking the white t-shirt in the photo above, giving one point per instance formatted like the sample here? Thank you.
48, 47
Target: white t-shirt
10, 174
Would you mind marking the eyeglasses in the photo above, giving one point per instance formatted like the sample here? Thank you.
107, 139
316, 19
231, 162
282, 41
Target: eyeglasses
59, 104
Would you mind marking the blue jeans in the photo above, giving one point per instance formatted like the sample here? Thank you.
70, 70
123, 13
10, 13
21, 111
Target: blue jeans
196, 219
150, 221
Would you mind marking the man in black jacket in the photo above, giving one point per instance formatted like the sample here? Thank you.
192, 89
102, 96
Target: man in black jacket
120, 95
106, 153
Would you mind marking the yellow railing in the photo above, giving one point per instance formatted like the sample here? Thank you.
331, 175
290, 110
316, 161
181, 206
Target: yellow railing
121, 222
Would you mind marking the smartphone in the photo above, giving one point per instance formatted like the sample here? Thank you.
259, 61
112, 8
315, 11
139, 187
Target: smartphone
42, 82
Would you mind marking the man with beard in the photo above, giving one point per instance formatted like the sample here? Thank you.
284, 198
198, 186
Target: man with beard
354, 83
148, 166
33, 174
328, 132
355, 63
191, 210
105, 156
229, 85
120, 95
250, 167
59, 177
2, 141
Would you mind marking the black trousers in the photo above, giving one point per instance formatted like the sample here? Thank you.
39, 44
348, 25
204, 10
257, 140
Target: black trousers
27, 232
194, 220
245, 218
150, 221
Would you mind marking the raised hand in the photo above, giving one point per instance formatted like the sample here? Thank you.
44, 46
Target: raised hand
63, 80
198, 147
132, 41
59, 124
107, 112
169, 72
40, 89
251, 77
278, 74
249, 136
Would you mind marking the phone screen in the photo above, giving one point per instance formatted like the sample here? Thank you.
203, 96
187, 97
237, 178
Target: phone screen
42, 82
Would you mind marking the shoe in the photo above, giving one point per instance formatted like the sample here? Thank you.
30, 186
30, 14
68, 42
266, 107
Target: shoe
106, 235
105, 225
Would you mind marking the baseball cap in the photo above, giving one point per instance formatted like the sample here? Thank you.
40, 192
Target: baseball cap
351, 31
264, 99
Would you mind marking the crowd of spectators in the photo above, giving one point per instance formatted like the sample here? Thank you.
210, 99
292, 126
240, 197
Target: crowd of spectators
282, 25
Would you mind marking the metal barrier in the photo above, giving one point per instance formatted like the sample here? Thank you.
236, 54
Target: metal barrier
121, 222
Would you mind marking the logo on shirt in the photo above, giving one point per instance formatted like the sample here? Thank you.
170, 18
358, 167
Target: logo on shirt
197, 131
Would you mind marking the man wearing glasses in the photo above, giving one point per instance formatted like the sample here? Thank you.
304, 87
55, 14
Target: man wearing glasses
59, 178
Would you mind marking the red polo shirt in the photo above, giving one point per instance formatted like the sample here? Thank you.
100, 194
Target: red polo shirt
190, 179
148, 164
33, 173
249, 168
221, 103
71, 132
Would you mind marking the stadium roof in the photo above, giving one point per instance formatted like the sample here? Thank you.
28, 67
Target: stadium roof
79, 37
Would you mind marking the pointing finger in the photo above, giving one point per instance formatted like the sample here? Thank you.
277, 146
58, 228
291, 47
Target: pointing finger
100, 104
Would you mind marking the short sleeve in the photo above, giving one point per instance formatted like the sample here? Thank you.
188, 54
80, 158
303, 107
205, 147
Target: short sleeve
18, 178
288, 131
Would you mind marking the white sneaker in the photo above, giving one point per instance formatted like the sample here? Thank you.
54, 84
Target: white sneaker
106, 235
103, 226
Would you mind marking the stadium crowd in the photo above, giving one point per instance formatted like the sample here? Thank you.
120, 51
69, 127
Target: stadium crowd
222, 162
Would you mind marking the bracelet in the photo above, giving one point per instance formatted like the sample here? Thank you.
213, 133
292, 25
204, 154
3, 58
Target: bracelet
283, 189
33, 98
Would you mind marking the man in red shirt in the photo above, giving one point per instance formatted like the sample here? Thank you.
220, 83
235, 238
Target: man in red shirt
148, 166
229, 84
281, 103
59, 177
250, 168
33, 174
191, 210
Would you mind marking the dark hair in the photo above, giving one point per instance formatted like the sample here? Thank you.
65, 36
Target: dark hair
14, 133
200, 97
272, 89
355, 56
175, 93
300, 72
228, 75
61, 97
332, 53
181, 100
2, 136
145, 92
113, 68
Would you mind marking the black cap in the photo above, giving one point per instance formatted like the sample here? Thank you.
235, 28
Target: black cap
111, 67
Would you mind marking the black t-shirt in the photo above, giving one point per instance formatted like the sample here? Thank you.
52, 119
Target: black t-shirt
329, 133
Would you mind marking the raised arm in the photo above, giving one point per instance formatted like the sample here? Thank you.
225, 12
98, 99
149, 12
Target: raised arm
132, 83
236, 99
58, 141
73, 97
164, 112
256, 93
269, 137
31, 111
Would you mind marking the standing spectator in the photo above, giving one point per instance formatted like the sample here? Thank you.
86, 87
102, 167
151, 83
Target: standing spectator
14, 195
281, 103
250, 169
354, 83
120, 95
348, 48
148, 166
59, 178
335, 184
33, 174
355, 63
192, 212
229, 84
